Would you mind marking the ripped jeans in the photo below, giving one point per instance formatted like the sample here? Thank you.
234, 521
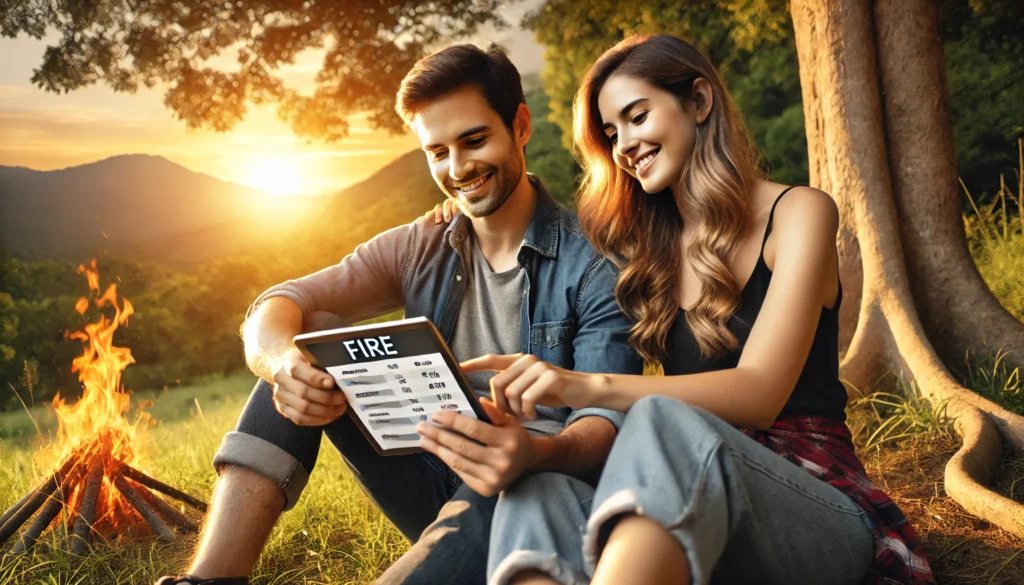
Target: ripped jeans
741, 513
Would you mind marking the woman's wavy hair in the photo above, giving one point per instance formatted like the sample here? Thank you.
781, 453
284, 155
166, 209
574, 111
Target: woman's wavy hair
641, 232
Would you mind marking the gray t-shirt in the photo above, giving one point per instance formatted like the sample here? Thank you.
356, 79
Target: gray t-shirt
490, 321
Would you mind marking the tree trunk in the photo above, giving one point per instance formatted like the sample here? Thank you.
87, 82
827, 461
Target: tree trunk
888, 162
957, 309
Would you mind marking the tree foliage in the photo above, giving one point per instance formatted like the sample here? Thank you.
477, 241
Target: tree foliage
546, 157
751, 43
984, 51
186, 321
217, 58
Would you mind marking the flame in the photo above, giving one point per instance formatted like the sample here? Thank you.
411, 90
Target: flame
95, 427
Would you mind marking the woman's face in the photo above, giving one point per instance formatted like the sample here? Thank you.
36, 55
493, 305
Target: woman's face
651, 135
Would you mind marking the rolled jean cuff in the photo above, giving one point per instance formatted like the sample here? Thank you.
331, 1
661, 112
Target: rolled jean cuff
681, 527
548, 563
266, 459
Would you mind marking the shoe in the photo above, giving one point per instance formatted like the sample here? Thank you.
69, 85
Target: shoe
190, 580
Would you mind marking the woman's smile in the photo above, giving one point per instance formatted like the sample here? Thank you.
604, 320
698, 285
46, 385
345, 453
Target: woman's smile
643, 166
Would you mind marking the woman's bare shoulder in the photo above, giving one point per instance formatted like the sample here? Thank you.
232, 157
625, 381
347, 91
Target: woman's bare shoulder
805, 216
765, 193
805, 207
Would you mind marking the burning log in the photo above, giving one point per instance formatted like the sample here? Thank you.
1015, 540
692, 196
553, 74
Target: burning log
14, 509
45, 517
86, 514
161, 487
28, 505
147, 511
169, 512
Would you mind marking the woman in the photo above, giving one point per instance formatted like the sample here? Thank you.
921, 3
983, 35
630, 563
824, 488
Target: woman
733, 284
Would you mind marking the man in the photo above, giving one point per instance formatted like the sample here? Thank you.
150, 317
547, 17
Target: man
511, 273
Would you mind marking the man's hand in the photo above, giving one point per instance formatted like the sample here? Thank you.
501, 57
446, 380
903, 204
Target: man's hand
303, 393
507, 450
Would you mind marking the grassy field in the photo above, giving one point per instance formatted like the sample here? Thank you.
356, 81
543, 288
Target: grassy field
334, 534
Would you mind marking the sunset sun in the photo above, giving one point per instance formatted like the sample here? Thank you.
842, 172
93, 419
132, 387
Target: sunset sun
275, 176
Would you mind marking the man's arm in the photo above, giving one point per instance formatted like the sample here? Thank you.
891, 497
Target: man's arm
366, 283
601, 341
579, 450
598, 346
267, 335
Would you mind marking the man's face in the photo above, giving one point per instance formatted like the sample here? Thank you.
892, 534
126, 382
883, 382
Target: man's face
472, 155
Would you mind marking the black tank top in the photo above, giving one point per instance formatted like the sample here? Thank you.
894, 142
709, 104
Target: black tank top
818, 391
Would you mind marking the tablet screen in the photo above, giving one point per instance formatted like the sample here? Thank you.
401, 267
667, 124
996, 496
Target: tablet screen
393, 379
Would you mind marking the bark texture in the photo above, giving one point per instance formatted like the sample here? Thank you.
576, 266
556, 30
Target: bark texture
880, 142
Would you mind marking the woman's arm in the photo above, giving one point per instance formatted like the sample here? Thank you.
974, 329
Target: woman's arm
752, 394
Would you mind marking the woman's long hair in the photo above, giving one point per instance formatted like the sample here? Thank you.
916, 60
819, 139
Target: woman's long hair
641, 231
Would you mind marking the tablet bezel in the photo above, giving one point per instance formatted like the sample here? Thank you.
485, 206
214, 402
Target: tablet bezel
305, 339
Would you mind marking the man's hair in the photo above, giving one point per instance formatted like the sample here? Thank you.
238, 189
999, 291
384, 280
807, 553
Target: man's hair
459, 66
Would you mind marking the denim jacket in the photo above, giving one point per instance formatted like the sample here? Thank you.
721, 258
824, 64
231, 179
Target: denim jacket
569, 317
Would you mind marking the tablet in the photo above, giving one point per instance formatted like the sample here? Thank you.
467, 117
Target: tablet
394, 374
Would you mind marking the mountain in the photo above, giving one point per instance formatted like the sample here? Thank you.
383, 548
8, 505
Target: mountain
132, 199
150, 208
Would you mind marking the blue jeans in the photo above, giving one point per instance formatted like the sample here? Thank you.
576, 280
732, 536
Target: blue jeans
742, 513
447, 522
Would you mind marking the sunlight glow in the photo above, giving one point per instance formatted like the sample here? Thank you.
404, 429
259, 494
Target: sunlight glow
275, 176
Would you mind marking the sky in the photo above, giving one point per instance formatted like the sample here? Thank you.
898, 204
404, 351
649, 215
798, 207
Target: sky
46, 131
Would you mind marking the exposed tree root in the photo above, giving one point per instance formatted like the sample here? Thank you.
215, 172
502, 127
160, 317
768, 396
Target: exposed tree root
972, 467
982, 424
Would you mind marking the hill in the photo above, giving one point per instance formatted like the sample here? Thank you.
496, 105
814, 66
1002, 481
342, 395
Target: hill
396, 194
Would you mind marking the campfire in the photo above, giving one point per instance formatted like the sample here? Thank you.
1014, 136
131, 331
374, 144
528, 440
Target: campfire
96, 489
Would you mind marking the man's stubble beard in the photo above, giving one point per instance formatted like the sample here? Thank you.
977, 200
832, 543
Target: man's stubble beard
504, 182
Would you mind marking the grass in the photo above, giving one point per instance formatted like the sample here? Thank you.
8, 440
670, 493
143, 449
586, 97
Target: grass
995, 237
38, 422
883, 418
996, 241
994, 380
335, 535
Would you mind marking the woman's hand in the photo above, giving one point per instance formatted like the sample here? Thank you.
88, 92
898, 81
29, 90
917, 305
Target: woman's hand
442, 212
524, 381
